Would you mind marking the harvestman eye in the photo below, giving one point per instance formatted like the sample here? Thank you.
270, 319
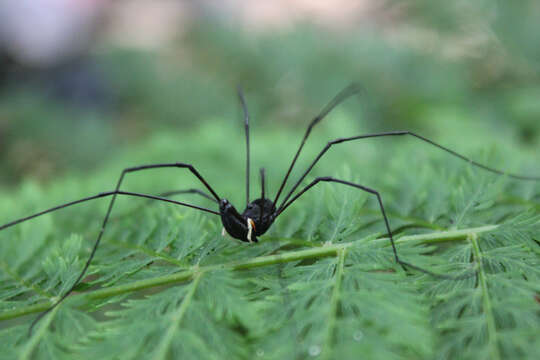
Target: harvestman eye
259, 214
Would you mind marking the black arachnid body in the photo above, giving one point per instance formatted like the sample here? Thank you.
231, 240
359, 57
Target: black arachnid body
261, 213
254, 221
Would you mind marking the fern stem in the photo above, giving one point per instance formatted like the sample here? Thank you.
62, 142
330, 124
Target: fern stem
312, 253
334, 302
163, 348
147, 251
450, 235
37, 336
472, 200
513, 200
488, 309
340, 220
5, 267
398, 216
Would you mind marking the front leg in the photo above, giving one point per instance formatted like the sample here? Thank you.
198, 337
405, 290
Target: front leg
403, 264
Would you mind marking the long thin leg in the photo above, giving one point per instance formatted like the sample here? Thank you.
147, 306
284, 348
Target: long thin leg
342, 96
386, 223
187, 191
102, 195
246, 127
263, 175
106, 219
400, 133
262, 172
171, 193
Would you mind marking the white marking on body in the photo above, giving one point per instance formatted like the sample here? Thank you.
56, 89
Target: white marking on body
251, 226
223, 232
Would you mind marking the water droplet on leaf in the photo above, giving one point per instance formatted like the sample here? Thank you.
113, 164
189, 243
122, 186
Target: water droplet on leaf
314, 350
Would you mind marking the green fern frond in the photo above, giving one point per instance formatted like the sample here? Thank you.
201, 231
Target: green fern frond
321, 284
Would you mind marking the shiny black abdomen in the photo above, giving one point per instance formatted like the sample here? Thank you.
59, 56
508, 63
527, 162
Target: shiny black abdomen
260, 211
262, 220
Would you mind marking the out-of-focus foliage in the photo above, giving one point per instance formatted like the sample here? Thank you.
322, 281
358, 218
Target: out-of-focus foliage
477, 62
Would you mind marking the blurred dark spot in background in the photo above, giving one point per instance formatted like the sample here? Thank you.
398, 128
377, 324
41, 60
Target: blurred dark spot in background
81, 79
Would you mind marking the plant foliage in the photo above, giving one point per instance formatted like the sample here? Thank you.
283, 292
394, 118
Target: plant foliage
321, 284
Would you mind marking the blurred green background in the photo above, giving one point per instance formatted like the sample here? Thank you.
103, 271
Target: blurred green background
461, 73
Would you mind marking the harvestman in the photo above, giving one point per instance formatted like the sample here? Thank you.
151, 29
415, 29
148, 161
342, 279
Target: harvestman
261, 213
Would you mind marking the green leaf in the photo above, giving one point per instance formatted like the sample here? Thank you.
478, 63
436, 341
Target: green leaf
322, 283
